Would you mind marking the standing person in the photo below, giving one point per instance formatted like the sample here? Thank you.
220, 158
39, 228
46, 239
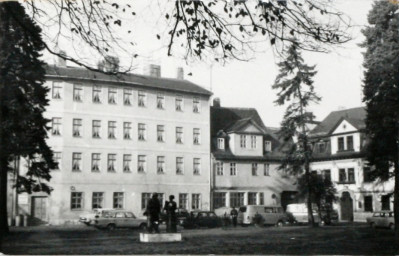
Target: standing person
171, 222
233, 215
153, 211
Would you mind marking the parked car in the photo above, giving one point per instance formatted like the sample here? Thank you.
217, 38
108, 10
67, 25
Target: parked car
202, 219
112, 219
299, 213
262, 214
181, 215
223, 211
329, 216
88, 218
382, 219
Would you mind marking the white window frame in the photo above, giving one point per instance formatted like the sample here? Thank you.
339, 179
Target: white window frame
95, 162
127, 97
96, 129
197, 166
76, 162
111, 129
221, 143
160, 101
161, 165
243, 141
233, 169
196, 136
112, 95
179, 165
111, 163
77, 92
142, 99
141, 164
268, 146
57, 91
127, 161
127, 130
196, 105
179, 104
77, 127
97, 93
219, 168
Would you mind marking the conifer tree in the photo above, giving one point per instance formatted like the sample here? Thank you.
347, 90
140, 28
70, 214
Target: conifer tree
295, 85
23, 100
381, 94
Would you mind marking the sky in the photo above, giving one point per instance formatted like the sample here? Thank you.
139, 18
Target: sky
248, 84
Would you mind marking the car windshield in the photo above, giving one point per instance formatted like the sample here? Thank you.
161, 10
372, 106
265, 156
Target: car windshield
130, 215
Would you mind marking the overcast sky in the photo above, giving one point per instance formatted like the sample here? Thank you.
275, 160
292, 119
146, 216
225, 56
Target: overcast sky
248, 84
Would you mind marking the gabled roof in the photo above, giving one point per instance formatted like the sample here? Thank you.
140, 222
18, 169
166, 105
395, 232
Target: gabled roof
240, 124
229, 118
355, 116
81, 74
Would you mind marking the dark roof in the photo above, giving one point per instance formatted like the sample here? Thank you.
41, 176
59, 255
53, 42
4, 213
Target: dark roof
233, 119
355, 116
75, 73
228, 119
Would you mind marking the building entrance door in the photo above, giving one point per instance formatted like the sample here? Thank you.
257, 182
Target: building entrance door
39, 209
346, 204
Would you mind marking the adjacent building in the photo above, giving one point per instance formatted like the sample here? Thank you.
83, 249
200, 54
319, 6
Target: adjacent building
118, 139
339, 143
245, 159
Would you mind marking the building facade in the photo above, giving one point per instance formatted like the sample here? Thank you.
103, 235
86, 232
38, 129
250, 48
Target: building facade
339, 142
118, 139
245, 160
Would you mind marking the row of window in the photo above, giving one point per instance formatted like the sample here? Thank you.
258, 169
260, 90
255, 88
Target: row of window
243, 143
237, 199
233, 169
118, 200
77, 131
127, 163
97, 97
368, 203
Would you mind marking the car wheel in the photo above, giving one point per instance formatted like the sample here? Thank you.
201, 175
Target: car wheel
111, 226
279, 223
392, 226
372, 225
143, 226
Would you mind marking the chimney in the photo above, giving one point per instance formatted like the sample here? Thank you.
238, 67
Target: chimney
216, 102
153, 70
180, 73
61, 62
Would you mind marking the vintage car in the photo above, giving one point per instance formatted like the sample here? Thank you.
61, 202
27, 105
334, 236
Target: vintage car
112, 219
383, 219
88, 218
262, 215
181, 215
202, 219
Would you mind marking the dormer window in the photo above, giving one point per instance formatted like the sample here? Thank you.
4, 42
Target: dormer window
268, 146
321, 147
253, 141
349, 143
220, 143
243, 141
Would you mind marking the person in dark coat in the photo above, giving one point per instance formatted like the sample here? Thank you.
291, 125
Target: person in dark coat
234, 215
170, 208
153, 211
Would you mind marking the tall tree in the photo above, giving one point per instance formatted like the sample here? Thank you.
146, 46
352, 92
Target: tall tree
23, 129
295, 85
381, 93
322, 192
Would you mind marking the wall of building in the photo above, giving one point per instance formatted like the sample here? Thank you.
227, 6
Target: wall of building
133, 184
271, 185
357, 190
235, 145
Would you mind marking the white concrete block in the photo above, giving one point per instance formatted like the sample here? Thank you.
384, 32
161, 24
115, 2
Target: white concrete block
160, 238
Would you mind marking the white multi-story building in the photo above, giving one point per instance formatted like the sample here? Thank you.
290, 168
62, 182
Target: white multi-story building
246, 155
118, 139
339, 143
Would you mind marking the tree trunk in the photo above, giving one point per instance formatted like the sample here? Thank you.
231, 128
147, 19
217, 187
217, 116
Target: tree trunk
309, 199
3, 158
396, 189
